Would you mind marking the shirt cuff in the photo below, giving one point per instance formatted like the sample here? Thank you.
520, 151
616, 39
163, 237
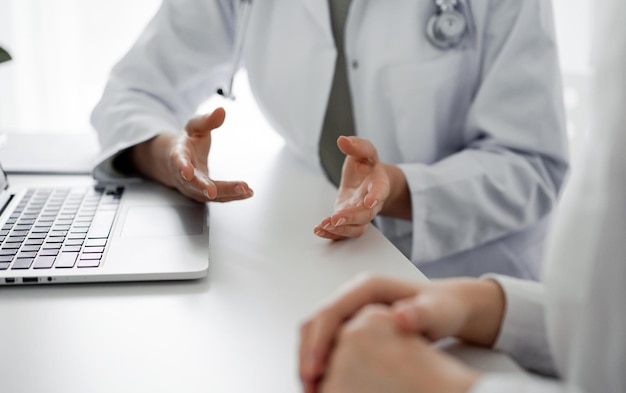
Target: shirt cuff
523, 332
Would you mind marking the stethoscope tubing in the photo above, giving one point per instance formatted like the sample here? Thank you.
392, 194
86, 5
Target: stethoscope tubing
242, 27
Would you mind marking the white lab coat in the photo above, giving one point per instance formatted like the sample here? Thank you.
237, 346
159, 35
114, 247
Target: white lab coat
478, 130
574, 326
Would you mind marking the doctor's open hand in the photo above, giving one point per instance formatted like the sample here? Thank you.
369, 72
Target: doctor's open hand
468, 309
181, 161
368, 187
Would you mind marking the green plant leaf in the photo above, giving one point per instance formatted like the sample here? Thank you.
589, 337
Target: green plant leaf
4, 55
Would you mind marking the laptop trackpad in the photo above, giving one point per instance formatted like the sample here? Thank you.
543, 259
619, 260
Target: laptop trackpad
163, 221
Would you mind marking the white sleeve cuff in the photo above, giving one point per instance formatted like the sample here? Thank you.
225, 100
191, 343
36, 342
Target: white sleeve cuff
523, 333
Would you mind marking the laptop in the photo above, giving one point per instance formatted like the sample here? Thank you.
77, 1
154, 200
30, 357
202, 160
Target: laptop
100, 233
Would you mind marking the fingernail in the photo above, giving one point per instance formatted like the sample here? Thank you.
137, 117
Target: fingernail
373, 204
239, 190
183, 175
341, 221
206, 194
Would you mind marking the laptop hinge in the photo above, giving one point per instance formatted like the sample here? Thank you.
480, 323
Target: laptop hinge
5, 199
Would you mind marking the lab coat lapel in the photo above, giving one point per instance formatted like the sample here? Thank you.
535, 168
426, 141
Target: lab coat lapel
321, 15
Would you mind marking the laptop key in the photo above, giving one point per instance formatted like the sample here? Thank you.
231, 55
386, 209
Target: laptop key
4, 265
66, 260
93, 249
22, 263
95, 242
88, 263
13, 246
26, 221
44, 262
74, 242
34, 248
91, 256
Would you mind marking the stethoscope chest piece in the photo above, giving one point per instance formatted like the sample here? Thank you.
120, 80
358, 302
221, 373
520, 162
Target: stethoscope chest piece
446, 29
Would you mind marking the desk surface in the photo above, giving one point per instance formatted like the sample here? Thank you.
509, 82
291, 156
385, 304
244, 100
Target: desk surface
234, 331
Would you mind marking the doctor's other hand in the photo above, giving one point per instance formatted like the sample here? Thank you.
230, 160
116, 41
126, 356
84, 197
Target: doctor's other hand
368, 187
181, 161
468, 309
373, 355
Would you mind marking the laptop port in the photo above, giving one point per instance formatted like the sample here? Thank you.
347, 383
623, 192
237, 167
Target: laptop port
30, 279
9, 280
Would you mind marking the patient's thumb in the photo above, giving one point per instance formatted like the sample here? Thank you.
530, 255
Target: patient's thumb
410, 315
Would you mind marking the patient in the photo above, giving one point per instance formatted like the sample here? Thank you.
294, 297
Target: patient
374, 335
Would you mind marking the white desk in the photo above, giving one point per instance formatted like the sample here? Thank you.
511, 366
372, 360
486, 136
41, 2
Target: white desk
235, 331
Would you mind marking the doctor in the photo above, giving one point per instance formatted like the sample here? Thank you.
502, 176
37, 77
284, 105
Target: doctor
569, 327
455, 110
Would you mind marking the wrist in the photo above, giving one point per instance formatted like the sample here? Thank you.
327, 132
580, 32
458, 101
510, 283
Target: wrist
398, 203
486, 305
149, 158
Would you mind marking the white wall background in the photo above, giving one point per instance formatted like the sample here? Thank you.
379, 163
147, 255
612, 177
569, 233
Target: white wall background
64, 49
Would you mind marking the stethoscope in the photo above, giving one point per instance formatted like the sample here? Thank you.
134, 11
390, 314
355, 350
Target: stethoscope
445, 30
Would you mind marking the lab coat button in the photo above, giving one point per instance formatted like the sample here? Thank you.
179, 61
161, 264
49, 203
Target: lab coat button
355, 64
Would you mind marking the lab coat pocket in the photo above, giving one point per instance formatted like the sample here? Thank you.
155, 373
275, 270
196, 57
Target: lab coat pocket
428, 102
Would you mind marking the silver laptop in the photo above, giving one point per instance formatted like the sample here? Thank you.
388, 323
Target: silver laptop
100, 233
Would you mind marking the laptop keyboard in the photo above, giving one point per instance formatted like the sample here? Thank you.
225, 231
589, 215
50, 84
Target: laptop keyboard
59, 228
